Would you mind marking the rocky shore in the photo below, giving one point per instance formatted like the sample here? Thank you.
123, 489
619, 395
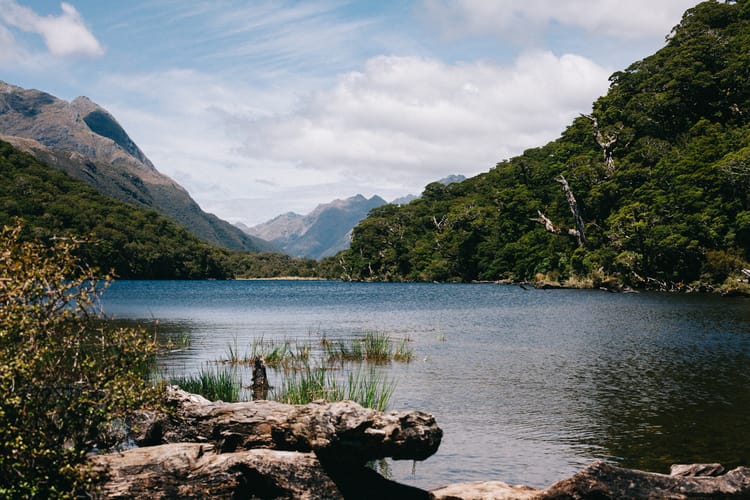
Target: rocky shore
264, 449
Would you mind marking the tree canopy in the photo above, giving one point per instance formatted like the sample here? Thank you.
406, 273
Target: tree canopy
659, 173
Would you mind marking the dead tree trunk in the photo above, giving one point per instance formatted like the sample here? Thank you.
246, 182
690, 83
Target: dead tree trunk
573, 204
606, 143
260, 380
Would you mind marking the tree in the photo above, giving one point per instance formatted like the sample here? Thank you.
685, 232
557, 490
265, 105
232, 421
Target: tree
64, 374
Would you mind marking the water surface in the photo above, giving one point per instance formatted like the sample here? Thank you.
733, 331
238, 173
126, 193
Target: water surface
528, 385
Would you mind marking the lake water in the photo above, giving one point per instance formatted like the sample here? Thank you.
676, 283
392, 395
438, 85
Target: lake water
528, 386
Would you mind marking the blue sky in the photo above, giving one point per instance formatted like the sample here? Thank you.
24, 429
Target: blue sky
263, 107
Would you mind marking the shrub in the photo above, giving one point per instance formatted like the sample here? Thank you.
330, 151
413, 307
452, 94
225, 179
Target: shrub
63, 375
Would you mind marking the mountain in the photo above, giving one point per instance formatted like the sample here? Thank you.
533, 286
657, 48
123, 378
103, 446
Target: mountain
135, 242
326, 230
84, 140
650, 188
323, 232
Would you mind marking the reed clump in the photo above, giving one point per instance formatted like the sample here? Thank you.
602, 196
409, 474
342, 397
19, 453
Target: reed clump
374, 347
369, 388
310, 370
212, 383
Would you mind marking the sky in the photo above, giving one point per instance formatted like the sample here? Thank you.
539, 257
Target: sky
261, 107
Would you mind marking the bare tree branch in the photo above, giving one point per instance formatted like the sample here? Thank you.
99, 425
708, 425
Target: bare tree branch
606, 143
573, 204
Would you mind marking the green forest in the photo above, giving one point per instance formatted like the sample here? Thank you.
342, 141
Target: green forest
650, 189
133, 242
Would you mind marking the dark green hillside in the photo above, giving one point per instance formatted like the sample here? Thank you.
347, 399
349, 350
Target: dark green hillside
659, 175
137, 243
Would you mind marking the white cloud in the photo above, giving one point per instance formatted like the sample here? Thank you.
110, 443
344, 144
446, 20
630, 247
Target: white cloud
64, 35
401, 122
411, 120
521, 19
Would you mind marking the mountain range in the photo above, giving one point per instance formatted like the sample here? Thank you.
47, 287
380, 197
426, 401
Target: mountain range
323, 232
84, 140
326, 230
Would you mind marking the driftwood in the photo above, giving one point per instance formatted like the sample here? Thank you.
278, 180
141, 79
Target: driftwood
192, 470
260, 380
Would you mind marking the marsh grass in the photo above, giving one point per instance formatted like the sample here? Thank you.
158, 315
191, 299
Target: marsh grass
368, 388
403, 352
374, 347
213, 384
309, 371
343, 350
284, 355
378, 347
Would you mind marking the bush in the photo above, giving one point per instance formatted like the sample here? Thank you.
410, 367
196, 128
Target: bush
64, 374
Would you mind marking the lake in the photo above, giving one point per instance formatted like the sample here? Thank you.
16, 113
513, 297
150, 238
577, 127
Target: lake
528, 386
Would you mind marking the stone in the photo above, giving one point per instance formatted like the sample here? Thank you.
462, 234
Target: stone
601, 481
192, 470
693, 470
485, 490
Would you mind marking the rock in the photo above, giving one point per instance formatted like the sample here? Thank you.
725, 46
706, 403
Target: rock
192, 470
601, 481
693, 470
485, 490
264, 449
342, 431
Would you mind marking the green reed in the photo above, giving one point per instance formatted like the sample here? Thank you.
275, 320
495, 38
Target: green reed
213, 384
368, 388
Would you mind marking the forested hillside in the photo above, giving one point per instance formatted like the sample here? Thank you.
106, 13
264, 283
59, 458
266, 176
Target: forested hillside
651, 188
137, 243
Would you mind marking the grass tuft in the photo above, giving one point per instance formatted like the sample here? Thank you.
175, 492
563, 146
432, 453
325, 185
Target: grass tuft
212, 384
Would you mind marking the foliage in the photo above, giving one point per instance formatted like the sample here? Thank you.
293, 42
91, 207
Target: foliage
271, 265
134, 242
63, 375
660, 171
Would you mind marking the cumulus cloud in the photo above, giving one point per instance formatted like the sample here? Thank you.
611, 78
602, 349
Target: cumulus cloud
388, 129
64, 35
411, 120
514, 18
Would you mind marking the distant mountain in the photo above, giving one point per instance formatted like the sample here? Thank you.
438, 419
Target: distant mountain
323, 232
84, 140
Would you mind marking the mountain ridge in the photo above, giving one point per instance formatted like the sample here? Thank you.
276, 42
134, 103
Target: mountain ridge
321, 233
86, 141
